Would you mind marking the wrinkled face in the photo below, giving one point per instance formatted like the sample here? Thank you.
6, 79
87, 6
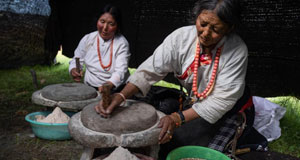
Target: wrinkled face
107, 26
210, 28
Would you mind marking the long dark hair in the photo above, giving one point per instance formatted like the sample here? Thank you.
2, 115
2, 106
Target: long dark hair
116, 14
229, 11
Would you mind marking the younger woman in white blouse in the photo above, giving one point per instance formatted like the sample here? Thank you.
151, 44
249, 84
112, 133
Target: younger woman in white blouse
105, 53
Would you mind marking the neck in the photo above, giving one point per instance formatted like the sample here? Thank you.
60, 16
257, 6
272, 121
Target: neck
208, 49
105, 40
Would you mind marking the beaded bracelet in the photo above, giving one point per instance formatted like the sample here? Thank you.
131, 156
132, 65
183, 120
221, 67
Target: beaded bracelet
176, 117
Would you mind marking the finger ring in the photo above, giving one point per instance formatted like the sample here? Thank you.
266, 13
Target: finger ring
168, 132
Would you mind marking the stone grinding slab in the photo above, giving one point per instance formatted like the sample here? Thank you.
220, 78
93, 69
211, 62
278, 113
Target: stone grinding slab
38, 99
69, 92
136, 117
93, 139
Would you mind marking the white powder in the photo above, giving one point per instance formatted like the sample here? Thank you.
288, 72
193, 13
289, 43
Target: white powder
121, 153
57, 116
39, 117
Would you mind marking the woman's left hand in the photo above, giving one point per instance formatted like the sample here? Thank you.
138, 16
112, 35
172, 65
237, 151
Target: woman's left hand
167, 125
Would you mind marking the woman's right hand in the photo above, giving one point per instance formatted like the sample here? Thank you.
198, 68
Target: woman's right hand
76, 76
167, 125
116, 99
106, 112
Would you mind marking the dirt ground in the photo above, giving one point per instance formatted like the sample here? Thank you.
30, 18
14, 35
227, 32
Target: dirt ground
17, 142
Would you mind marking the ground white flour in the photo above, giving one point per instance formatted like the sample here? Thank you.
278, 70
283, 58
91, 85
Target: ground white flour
121, 153
57, 116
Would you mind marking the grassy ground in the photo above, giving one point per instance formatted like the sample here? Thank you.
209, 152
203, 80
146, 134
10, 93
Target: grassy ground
16, 88
289, 142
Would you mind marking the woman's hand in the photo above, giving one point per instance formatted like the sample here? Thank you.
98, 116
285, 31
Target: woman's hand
106, 112
76, 76
116, 100
111, 85
167, 125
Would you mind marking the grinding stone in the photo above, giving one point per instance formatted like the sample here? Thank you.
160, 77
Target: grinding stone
136, 117
69, 92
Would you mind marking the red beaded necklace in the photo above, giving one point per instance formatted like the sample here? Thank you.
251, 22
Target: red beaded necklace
211, 83
107, 67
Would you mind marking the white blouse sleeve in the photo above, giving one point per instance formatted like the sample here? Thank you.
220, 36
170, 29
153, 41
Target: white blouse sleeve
121, 67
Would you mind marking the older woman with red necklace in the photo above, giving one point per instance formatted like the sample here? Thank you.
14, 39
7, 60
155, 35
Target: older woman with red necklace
105, 53
210, 61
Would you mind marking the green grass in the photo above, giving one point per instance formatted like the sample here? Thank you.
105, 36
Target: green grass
289, 142
17, 87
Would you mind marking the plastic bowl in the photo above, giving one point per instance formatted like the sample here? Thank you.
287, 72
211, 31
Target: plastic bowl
196, 152
49, 131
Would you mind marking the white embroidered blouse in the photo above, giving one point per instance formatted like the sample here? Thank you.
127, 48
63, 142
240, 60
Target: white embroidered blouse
177, 53
95, 75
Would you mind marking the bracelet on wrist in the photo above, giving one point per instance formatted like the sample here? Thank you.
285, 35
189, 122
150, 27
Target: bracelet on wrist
176, 118
123, 98
182, 118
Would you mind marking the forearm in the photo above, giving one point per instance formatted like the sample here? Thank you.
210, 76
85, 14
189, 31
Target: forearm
129, 90
190, 114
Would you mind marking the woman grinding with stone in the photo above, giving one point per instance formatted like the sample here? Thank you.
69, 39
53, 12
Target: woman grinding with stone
210, 61
105, 53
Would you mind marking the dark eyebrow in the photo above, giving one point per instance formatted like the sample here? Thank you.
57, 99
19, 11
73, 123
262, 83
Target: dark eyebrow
217, 26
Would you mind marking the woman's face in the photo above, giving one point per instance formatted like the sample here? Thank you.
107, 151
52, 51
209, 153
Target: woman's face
107, 26
210, 28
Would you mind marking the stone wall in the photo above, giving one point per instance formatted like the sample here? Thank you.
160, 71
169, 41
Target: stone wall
33, 7
22, 32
